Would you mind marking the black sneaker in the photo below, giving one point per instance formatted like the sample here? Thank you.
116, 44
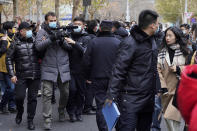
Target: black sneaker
94, 108
39, 93
53, 100
18, 119
31, 125
90, 112
79, 118
72, 118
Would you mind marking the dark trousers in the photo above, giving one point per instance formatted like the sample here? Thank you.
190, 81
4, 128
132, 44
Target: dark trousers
100, 90
76, 95
89, 97
20, 90
156, 120
135, 121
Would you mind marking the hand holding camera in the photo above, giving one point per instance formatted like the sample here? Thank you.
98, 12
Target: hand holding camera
69, 40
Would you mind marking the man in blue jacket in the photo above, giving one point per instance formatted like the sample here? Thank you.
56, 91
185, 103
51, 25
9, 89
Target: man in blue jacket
99, 59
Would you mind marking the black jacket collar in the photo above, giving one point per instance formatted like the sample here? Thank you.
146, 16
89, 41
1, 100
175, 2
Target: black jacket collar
78, 35
121, 32
19, 38
46, 28
105, 34
138, 34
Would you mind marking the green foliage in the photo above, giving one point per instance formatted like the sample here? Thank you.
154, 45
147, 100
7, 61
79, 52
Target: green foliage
95, 6
170, 10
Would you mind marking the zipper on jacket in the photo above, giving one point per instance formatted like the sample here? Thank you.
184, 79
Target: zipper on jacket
28, 51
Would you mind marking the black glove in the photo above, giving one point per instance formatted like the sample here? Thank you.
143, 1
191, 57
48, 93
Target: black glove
52, 37
164, 90
56, 36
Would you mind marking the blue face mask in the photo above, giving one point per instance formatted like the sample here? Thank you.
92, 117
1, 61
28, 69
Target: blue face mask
97, 28
29, 34
52, 24
78, 29
157, 30
190, 47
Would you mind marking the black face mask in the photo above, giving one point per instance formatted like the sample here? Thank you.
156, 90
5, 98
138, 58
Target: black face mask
10, 34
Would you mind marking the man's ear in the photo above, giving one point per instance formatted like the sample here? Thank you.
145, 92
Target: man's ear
152, 26
83, 26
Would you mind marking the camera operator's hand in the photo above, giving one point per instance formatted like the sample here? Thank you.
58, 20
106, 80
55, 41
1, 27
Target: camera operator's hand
70, 41
14, 79
52, 37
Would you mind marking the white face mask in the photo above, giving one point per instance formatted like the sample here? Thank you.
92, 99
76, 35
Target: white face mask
184, 31
97, 28
128, 30
78, 29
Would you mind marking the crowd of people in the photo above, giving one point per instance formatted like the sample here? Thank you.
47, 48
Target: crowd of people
136, 65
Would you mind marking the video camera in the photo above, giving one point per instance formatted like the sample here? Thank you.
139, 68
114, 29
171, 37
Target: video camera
64, 31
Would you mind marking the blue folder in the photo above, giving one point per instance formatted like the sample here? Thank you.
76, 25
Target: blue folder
111, 115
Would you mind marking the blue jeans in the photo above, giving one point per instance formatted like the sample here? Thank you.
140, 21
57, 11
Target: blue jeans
8, 96
156, 122
2, 87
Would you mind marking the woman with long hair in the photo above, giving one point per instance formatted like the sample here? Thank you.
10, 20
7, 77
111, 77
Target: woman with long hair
171, 60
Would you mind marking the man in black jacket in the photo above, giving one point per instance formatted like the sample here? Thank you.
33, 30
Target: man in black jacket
159, 35
79, 40
99, 59
136, 69
119, 31
24, 69
89, 109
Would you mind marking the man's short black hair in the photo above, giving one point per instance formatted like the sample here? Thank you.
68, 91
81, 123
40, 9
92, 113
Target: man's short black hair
186, 26
160, 26
91, 25
79, 19
106, 25
133, 21
49, 14
8, 25
146, 18
116, 24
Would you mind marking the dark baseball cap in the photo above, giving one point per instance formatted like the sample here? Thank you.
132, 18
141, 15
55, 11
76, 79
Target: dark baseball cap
24, 25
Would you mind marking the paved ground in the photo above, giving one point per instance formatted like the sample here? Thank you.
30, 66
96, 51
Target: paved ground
7, 122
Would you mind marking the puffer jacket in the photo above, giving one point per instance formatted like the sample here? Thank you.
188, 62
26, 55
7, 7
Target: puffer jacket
23, 55
55, 59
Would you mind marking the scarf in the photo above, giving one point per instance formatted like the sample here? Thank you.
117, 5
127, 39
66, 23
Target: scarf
178, 59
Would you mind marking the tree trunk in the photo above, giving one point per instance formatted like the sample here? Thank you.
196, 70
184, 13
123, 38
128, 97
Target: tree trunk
39, 10
75, 8
57, 5
5, 13
15, 9
30, 9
